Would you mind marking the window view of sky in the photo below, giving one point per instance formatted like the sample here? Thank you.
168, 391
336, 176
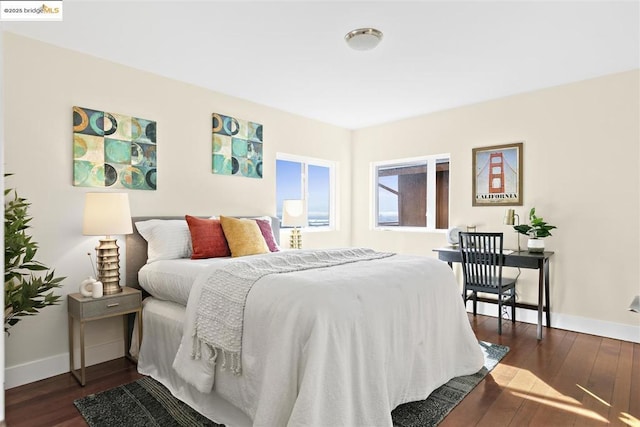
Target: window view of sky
289, 186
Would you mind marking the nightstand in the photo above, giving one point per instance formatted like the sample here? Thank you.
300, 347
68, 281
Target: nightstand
86, 309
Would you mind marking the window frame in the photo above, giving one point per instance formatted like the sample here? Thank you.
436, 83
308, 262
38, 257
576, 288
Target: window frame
333, 172
431, 162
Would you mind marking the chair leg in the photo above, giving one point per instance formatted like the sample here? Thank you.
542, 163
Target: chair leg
513, 306
500, 315
475, 303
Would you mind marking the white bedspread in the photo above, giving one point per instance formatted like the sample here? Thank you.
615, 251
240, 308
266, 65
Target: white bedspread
342, 346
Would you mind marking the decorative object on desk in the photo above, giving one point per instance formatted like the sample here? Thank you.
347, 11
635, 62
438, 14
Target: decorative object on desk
635, 304
236, 146
453, 236
294, 214
24, 293
497, 175
512, 218
471, 228
107, 214
113, 150
537, 230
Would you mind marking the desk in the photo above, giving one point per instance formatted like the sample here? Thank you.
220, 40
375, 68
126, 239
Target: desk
522, 259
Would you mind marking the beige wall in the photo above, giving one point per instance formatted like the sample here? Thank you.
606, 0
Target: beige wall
581, 170
43, 82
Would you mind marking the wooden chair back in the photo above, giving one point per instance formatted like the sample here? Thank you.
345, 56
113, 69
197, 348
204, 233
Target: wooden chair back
482, 259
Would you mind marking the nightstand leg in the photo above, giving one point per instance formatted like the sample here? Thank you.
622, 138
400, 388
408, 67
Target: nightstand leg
125, 329
139, 331
128, 340
82, 370
71, 361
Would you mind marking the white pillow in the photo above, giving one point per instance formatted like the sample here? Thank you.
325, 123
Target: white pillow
166, 238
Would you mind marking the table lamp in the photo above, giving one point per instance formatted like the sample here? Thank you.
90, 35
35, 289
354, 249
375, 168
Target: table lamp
294, 214
107, 214
512, 218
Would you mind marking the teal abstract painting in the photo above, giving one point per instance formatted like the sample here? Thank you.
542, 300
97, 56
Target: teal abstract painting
113, 150
236, 147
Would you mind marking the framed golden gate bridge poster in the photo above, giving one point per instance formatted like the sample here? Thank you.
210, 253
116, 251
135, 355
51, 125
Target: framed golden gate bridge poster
497, 175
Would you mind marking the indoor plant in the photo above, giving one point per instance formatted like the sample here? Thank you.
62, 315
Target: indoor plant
536, 230
24, 292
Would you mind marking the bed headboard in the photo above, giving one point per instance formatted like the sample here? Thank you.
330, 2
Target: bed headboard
136, 252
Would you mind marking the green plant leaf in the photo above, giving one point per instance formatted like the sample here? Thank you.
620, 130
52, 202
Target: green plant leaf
538, 228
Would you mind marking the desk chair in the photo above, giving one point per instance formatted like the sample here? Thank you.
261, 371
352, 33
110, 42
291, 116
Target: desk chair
482, 261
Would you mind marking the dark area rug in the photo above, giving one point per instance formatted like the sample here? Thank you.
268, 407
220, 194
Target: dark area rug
433, 409
146, 402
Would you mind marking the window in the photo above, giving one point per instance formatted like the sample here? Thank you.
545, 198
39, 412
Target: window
412, 192
310, 179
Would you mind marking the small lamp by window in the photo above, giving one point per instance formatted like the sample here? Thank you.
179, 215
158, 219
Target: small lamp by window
512, 218
294, 214
107, 214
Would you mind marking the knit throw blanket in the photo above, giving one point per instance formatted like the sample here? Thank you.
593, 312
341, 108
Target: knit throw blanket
220, 312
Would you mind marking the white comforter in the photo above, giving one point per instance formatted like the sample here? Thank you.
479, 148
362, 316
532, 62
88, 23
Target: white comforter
342, 346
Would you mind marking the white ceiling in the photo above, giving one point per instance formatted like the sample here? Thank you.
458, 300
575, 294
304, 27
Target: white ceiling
292, 55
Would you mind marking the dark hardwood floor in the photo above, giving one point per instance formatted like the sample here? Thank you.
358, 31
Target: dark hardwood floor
566, 379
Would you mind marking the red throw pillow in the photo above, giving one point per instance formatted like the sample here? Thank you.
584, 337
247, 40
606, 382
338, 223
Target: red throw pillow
207, 238
267, 233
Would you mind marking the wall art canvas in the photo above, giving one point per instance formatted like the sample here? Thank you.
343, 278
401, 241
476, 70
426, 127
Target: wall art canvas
113, 150
236, 147
497, 175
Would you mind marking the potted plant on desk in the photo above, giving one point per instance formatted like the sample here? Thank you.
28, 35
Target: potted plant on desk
537, 229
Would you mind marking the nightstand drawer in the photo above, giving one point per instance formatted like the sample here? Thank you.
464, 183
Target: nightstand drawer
109, 305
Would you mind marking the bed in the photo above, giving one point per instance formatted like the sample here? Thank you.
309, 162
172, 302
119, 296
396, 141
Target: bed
337, 343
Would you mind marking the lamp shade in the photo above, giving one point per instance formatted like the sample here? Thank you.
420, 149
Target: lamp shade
106, 214
509, 217
294, 213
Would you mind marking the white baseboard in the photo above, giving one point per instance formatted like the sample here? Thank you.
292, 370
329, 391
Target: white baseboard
618, 331
18, 375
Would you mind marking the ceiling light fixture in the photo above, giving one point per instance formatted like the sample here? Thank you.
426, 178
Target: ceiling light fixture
363, 38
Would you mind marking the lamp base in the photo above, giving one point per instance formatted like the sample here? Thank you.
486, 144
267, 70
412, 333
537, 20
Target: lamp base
108, 263
295, 239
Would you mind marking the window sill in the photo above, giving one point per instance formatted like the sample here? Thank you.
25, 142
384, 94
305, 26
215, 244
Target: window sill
309, 229
411, 229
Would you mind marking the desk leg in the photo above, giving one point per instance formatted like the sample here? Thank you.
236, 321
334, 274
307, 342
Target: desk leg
546, 292
540, 297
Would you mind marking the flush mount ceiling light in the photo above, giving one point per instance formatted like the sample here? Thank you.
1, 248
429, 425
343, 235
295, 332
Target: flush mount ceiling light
363, 38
